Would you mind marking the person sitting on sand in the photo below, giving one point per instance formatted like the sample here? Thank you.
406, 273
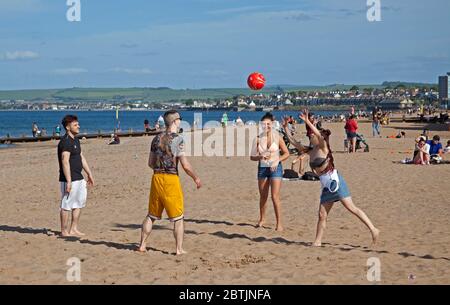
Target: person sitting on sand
167, 150
266, 150
401, 135
422, 154
447, 148
303, 156
334, 187
436, 150
114, 139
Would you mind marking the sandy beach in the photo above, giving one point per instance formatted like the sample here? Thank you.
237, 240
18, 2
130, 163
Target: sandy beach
409, 204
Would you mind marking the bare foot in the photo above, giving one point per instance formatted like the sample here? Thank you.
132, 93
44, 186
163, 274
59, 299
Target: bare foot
76, 233
181, 252
279, 228
142, 249
317, 244
375, 235
65, 234
260, 224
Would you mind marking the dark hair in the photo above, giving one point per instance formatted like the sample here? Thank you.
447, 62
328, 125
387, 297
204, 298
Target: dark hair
69, 119
145, 121
436, 138
326, 133
167, 115
351, 117
268, 116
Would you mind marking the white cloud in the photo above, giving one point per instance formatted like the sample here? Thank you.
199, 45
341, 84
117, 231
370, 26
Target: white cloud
70, 71
132, 71
19, 55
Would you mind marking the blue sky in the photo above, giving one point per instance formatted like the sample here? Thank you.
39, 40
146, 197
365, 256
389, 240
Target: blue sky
217, 43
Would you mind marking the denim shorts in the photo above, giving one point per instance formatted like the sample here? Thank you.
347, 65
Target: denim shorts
351, 135
341, 193
266, 173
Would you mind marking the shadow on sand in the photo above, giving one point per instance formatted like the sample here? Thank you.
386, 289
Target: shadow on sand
219, 234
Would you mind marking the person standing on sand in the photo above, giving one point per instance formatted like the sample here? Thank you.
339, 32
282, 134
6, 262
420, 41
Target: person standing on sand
334, 187
73, 186
34, 129
351, 127
166, 150
266, 150
376, 122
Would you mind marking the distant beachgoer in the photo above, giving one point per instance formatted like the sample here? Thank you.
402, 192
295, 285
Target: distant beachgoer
146, 125
426, 134
160, 122
401, 135
266, 150
73, 184
376, 122
57, 130
114, 139
334, 187
447, 148
351, 127
239, 121
224, 120
303, 155
34, 129
166, 150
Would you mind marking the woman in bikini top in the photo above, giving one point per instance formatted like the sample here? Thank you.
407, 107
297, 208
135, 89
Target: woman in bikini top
334, 187
320, 154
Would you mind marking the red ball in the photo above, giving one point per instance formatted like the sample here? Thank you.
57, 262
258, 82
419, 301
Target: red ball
256, 81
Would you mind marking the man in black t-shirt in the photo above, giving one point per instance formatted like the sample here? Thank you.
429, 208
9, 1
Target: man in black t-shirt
73, 186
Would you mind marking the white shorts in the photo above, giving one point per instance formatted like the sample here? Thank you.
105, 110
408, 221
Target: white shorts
77, 197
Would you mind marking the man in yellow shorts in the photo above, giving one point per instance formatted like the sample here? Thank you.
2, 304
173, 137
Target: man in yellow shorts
167, 149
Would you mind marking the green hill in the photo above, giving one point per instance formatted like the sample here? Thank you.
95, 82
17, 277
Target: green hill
164, 94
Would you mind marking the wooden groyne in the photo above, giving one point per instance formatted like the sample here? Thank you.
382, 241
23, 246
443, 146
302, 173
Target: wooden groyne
99, 135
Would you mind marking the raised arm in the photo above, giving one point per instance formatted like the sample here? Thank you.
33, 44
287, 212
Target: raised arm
304, 116
297, 144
